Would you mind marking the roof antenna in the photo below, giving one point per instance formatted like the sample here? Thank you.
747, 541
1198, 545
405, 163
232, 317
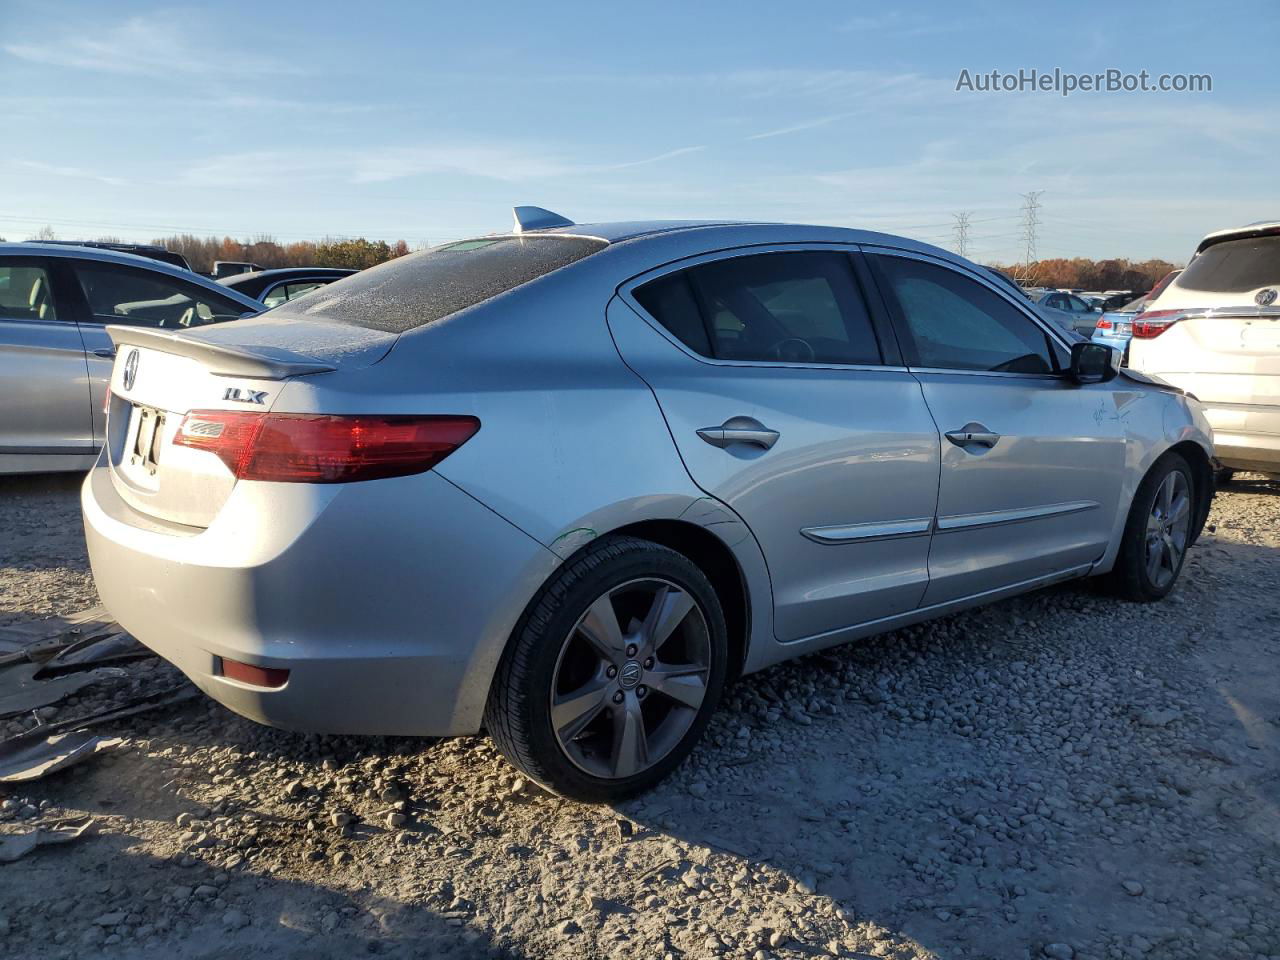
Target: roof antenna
536, 218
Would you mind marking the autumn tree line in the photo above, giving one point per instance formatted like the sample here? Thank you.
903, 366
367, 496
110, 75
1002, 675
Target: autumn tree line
359, 253
268, 253
1085, 274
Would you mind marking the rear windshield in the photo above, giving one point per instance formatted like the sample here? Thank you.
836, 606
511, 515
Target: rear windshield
414, 290
1234, 266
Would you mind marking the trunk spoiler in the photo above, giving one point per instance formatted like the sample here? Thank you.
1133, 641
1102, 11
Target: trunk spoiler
264, 363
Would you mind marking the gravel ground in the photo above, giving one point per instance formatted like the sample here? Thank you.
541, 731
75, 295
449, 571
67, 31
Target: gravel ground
1061, 775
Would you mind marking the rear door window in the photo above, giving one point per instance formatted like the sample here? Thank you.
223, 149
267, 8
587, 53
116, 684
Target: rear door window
800, 307
1234, 266
26, 293
420, 288
126, 295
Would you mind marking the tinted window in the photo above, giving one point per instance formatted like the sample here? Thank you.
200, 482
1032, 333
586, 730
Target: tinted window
955, 323
802, 307
422, 287
670, 300
124, 295
1234, 266
25, 294
290, 291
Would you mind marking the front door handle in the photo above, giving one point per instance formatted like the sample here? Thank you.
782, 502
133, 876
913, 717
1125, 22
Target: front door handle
105, 354
740, 430
973, 435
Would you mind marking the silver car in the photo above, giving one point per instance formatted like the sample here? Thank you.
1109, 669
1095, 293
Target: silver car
55, 355
567, 483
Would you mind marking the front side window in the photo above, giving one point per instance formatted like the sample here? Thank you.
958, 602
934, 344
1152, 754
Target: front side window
25, 293
954, 323
126, 295
802, 307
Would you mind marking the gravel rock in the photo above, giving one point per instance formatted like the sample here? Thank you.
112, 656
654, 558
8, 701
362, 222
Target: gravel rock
957, 787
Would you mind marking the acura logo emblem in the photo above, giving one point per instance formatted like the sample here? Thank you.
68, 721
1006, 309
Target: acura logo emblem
630, 675
130, 369
1265, 298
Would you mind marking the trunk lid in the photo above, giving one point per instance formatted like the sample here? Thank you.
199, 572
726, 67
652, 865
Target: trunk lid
159, 377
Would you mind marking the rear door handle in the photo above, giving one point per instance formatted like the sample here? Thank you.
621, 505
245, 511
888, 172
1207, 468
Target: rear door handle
740, 430
105, 354
973, 435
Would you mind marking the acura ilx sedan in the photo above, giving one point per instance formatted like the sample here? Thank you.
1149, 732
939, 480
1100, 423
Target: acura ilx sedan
565, 484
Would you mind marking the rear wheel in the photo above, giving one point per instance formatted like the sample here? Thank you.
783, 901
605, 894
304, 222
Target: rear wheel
613, 674
1157, 533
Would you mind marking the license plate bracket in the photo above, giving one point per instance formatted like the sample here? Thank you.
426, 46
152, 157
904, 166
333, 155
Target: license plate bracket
145, 452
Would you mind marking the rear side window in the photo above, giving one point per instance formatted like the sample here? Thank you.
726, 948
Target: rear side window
25, 293
420, 288
802, 307
1234, 266
117, 294
954, 323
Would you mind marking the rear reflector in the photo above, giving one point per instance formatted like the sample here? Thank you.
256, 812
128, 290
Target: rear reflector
269, 677
314, 448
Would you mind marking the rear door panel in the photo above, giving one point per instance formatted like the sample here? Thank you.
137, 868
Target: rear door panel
45, 409
841, 504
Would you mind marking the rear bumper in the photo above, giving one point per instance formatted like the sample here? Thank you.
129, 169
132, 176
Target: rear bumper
1246, 436
389, 602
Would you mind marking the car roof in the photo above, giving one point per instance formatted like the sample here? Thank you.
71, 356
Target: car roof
1259, 228
715, 234
37, 249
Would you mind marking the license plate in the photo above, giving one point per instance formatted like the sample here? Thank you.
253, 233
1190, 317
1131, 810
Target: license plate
147, 439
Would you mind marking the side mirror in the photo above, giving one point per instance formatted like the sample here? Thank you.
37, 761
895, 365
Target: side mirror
1092, 362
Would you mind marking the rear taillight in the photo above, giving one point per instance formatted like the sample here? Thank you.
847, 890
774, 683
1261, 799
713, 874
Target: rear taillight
315, 448
1104, 324
1151, 323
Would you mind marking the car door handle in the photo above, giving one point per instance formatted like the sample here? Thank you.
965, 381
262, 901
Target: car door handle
105, 354
973, 435
740, 430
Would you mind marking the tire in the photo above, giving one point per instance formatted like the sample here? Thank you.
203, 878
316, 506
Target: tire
566, 653
1136, 576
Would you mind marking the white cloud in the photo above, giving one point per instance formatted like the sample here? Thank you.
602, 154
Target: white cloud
155, 45
65, 171
502, 162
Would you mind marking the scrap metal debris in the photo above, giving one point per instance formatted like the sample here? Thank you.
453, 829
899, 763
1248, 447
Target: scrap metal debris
19, 845
20, 691
26, 757
111, 646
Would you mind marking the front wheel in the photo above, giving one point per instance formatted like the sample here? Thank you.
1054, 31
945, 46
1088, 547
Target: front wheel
1157, 533
613, 674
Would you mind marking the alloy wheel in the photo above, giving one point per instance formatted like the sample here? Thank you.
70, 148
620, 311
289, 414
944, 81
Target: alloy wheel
1167, 527
630, 678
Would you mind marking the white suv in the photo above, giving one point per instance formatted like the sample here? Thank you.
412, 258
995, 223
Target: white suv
1215, 332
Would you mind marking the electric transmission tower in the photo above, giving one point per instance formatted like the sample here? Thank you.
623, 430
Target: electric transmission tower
1030, 221
962, 233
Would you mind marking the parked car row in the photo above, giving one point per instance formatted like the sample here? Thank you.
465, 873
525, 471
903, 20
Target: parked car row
566, 483
55, 355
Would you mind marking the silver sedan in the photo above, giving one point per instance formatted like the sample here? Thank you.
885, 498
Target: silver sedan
566, 484
56, 301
